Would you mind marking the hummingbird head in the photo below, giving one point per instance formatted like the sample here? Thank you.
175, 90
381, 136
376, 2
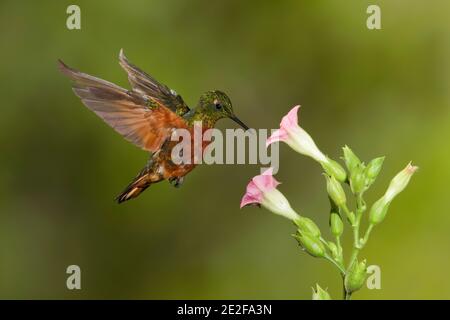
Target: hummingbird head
215, 105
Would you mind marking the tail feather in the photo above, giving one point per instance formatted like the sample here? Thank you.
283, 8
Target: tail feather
136, 187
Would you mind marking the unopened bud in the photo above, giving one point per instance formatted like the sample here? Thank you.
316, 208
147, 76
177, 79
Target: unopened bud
356, 277
334, 169
336, 225
306, 225
399, 182
320, 294
357, 179
373, 169
351, 160
378, 211
311, 245
333, 249
335, 191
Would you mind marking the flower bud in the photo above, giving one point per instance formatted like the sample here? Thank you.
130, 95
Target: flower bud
311, 245
378, 211
356, 277
336, 225
306, 225
399, 182
351, 160
335, 191
334, 250
373, 169
357, 179
320, 294
334, 169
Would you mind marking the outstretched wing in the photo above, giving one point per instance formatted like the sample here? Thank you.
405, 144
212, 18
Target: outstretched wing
151, 89
147, 124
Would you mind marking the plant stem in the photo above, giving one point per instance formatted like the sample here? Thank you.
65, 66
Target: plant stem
367, 234
337, 264
357, 244
344, 291
339, 247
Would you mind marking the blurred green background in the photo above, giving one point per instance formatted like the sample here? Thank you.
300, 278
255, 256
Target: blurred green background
381, 92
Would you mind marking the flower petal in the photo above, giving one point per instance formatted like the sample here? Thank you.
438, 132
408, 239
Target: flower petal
277, 135
290, 120
265, 182
248, 199
252, 195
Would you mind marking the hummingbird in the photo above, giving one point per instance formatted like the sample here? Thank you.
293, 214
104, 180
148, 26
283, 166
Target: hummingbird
147, 115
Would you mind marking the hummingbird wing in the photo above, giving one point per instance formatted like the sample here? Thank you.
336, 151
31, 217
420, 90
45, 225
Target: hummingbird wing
151, 89
147, 124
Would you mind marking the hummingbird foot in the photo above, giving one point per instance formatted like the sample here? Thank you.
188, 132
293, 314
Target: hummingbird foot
176, 182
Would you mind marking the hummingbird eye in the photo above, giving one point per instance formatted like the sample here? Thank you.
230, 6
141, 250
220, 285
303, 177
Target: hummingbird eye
218, 106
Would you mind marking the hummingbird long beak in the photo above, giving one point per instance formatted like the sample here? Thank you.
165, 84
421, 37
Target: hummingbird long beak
239, 122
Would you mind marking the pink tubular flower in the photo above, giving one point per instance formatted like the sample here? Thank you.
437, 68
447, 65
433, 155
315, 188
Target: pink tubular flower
262, 190
297, 138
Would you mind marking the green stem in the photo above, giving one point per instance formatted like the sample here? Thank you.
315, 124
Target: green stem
353, 258
350, 215
337, 264
357, 244
344, 291
367, 234
339, 247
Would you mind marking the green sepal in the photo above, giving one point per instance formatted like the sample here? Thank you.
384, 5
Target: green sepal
332, 168
378, 211
320, 294
373, 169
356, 276
335, 191
306, 225
351, 160
311, 245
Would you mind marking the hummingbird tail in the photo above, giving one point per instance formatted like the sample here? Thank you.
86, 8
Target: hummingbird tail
143, 180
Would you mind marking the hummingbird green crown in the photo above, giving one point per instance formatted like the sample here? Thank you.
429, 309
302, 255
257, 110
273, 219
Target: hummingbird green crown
213, 106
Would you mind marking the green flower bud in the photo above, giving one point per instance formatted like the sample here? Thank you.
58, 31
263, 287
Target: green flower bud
335, 191
311, 245
306, 225
332, 168
356, 277
378, 211
320, 294
373, 169
399, 182
336, 225
351, 160
357, 179
333, 249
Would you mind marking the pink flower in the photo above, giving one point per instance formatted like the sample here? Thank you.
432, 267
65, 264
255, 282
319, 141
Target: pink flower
297, 138
262, 190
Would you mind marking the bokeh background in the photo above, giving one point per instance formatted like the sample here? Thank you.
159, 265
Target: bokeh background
381, 92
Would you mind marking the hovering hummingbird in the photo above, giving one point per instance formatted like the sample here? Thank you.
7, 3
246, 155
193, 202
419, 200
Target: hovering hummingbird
146, 116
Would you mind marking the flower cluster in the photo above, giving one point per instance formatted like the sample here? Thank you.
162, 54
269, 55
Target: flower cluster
262, 191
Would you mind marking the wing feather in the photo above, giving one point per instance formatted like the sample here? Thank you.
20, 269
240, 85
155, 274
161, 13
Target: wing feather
150, 88
125, 111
